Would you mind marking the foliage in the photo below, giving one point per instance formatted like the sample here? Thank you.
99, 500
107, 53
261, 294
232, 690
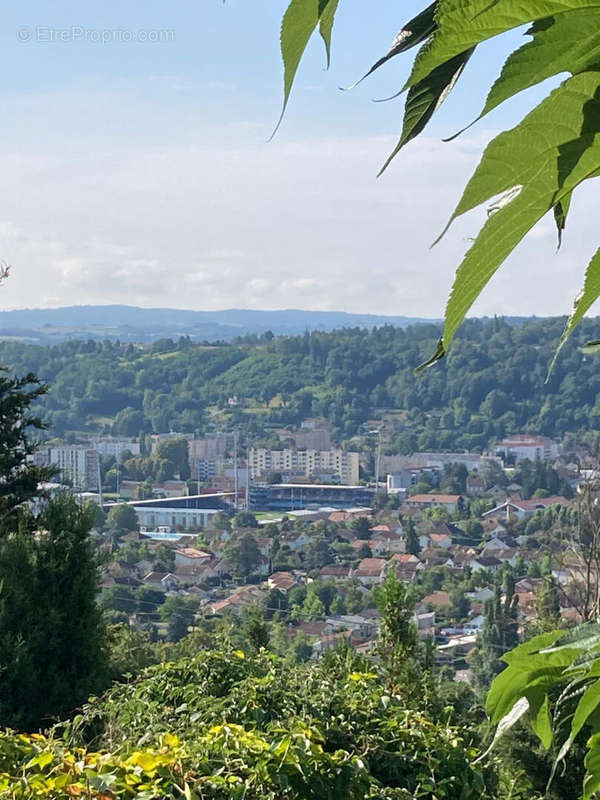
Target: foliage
499, 633
533, 174
20, 479
51, 631
222, 724
122, 517
243, 554
350, 373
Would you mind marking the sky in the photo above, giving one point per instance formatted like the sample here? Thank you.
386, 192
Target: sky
137, 169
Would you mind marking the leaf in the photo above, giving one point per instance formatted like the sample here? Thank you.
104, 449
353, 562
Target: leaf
326, 27
465, 23
591, 783
561, 209
540, 161
587, 705
591, 348
413, 33
425, 98
539, 713
564, 43
519, 709
583, 301
299, 23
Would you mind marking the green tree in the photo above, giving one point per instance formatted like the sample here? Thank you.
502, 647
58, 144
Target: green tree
412, 544
498, 635
243, 554
175, 453
178, 612
245, 519
122, 517
254, 628
397, 640
20, 479
313, 608
49, 616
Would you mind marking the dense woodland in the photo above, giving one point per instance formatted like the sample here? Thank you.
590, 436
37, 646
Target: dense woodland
492, 383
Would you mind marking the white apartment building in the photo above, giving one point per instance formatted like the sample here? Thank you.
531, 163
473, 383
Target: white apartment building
341, 463
116, 447
76, 464
522, 446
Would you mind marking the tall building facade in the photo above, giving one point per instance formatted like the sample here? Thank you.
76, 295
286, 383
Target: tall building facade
342, 465
77, 465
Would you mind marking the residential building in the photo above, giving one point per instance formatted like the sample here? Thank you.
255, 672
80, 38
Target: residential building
514, 507
343, 464
115, 447
521, 446
76, 465
450, 502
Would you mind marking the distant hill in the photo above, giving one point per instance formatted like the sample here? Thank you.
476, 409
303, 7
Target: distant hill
133, 324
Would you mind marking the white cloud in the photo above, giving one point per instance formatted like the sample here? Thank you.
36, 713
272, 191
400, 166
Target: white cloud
301, 224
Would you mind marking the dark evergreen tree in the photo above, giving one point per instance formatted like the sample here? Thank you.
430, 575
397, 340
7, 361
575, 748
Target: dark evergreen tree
51, 629
20, 480
412, 545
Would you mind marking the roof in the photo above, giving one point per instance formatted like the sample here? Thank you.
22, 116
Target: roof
371, 566
438, 537
433, 498
192, 552
488, 561
437, 599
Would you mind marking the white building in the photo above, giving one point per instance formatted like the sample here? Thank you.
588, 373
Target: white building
116, 447
152, 517
341, 463
522, 446
76, 465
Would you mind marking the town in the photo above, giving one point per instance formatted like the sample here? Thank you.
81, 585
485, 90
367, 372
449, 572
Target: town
304, 535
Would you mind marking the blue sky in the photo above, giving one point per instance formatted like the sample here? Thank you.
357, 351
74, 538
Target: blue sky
138, 171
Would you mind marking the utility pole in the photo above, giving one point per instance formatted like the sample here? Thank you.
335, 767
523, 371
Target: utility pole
377, 462
235, 470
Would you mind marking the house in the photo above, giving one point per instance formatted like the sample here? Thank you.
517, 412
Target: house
371, 571
190, 557
170, 489
494, 546
485, 562
481, 595
514, 507
441, 540
450, 502
165, 581
335, 572
387, 543
283, 581
361, 627
241, 597
475, 486
437, 600
294, 539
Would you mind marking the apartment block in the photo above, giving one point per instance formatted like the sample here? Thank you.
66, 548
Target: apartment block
77, 465
342, 465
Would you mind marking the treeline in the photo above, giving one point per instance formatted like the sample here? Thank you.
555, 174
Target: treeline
493, 383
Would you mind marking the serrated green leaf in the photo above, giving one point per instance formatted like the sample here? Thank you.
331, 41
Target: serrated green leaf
299, 23
561, 210
413, 33
425, 98
539, 162
585, 708
583, 301
565, 43
326, 27
462, 24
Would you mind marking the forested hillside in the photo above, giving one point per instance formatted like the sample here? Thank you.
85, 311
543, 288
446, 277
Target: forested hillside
492, 383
